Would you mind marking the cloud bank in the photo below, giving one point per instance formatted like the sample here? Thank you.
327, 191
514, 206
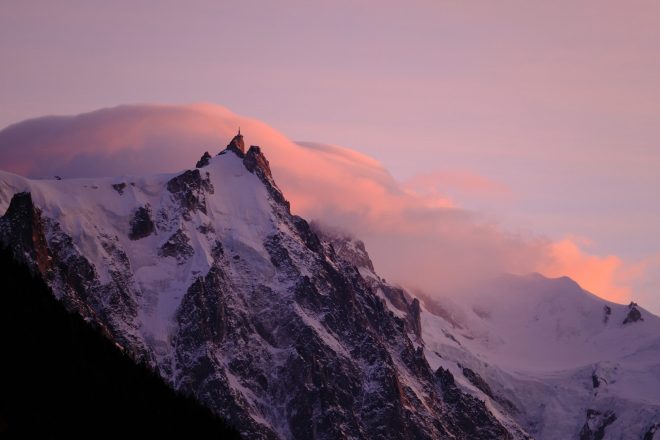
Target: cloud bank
415, 233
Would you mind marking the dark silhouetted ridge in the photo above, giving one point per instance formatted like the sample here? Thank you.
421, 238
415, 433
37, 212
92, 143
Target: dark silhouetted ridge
61, 378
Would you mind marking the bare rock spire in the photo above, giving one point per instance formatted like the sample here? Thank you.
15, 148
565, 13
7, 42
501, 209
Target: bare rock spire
237, 145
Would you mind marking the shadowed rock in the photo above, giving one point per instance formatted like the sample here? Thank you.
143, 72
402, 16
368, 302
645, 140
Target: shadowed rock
141, 224
256, 163
204, 160
237, 145
478, 381
119, 187
189, 190
23, 229
178, 247
634, 314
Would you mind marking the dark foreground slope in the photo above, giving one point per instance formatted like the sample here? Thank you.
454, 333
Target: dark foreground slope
61, 378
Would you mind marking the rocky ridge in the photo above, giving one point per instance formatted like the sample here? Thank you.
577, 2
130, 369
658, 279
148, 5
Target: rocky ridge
209, 278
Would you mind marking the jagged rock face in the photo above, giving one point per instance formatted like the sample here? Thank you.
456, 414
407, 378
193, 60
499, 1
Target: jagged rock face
477, 381
345, 246
466, 411
178, 247
190, 190
414, 317
237, 145
352, 253
23, 228
256, 163
141, 224
240, 303
204, 160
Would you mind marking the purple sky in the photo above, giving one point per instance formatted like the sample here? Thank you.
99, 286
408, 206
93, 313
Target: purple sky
542, 116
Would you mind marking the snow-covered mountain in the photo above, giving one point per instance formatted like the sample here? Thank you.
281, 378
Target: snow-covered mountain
207, 276
563, 362
286, 330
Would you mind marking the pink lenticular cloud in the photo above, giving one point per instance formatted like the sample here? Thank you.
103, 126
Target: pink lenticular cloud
415, 234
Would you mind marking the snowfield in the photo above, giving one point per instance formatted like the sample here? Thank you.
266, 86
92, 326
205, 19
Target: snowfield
555, 351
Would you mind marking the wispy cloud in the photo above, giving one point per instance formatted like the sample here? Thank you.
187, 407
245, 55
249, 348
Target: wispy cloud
416, 233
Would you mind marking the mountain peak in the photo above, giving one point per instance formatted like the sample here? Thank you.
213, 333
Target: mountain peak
255, 162
237, 145
204, 160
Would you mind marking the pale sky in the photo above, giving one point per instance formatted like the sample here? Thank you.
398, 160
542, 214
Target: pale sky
542, 116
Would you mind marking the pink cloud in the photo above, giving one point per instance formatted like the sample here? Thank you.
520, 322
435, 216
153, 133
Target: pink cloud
463, 181
415, 233
608, 276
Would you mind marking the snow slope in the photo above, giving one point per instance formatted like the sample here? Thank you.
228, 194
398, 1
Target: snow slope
555, 353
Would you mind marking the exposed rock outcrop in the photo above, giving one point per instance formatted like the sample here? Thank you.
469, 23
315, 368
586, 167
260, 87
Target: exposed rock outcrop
190, 189
236, 145
353, 253
22, 227
633, 315
178, 247
141, 224
119, 187
256, 163
476, 380
204, 160
466, 409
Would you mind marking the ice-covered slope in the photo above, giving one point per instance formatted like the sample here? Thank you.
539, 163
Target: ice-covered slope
563, 362
208, 277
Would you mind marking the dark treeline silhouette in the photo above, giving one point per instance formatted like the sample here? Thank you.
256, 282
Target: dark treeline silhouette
61, 378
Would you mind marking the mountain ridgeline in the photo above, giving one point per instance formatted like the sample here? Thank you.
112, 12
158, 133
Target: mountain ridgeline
236, 301
281, 328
